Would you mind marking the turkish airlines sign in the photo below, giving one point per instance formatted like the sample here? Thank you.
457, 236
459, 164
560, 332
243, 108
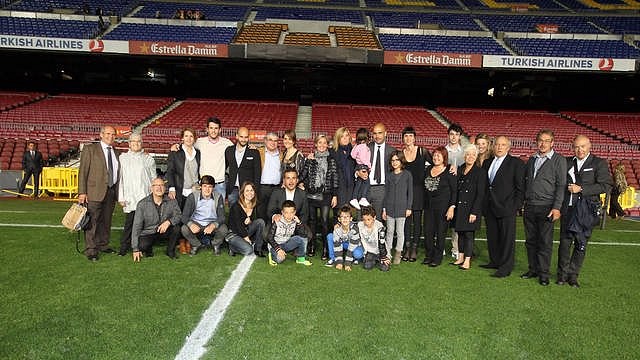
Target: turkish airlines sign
558, 63
432, 59
164, 48
63, 44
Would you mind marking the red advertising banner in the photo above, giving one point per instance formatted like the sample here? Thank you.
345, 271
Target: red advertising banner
163, 48
122, 132
547, 28
432, 59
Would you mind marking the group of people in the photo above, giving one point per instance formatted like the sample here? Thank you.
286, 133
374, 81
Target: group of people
280, 199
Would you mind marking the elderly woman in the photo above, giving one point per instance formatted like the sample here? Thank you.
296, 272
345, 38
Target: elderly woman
137, 170
485, 148
472, 180
291, 157
341, 151
320, 179
182, 168
439, 204
245, 235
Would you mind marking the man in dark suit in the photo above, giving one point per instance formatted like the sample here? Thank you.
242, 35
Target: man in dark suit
32, 166
98, 188
380, 155
290, 191
242, 163
505, 192
587, 177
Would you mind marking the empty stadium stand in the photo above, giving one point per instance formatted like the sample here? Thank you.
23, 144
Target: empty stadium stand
266, 13
258, 33
355, 37
528, 23
210, 12
87, 7
74, 29
625, 127
175, 33
433, 43
428, 20
307, 39
9, 100
573, 48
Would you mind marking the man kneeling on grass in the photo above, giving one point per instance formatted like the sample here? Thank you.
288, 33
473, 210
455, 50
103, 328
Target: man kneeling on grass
372, 235
287, 233
157, 218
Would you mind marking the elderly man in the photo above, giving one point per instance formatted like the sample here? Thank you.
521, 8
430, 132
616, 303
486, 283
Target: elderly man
98, 188
137, 170
157, 218
588, 177
243, 164
545, 181
270, 177
504, 195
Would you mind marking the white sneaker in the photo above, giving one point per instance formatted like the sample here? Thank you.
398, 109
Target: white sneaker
364, 202
329, 263
355, 204
355, 262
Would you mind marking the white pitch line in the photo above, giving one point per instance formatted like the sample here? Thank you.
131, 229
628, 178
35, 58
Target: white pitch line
194, 347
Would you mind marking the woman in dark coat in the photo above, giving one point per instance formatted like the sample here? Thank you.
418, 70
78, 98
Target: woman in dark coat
341, 151
472, 180
439, 204
183, 168
320, 179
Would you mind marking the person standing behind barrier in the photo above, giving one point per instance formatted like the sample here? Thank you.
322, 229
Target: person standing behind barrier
619, 188
380, 155
396, 206
212, 149
98, 187
505, 193
440, 195
545, 181
32, 165
587, 178
242, 163
183, 168
137, 170
416, 159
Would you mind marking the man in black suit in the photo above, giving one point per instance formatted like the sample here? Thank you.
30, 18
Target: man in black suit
242, 163
587, 177
32, 166
290, 191
505, 192
380, 155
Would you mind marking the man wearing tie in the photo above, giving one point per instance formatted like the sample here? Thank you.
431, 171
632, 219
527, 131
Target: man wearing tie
32, 166
588, 177
505, 192
98, 188
380, 155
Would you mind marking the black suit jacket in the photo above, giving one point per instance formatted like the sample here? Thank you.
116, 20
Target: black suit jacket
469, 198
249, 169
299, 198
32, 163
388, 149
505, 195
175, 169
593, 177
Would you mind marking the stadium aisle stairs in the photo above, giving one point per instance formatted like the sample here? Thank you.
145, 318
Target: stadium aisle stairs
159, 115
464, 139
303, 122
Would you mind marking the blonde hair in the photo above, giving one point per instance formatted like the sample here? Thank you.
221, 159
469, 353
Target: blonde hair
339, 133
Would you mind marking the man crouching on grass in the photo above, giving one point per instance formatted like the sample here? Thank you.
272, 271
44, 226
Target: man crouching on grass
287, 233
157, 217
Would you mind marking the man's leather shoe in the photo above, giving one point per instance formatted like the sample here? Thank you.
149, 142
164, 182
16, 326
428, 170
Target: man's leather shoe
529, 275
544, 282
574, 283
561, 281
488, 266
109, 251
259, 253
92, 258
216, 250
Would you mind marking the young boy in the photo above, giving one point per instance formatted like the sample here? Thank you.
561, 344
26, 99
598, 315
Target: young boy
287, 234
345, 237
372, 235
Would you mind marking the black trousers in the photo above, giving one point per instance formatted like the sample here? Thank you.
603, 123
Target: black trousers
539, 238
36, 181
413, 230
614, 204
99, 233
501, 242
314, 219
569, 262
465, 242
264, 194
435, 224
171, 236
125, 240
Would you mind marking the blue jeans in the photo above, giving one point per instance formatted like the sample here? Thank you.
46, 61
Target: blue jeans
221, 189
233, 197
358, 253
296, 243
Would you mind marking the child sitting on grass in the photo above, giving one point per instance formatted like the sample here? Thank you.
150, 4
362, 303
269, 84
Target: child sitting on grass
345, 237
287, 234
372, 235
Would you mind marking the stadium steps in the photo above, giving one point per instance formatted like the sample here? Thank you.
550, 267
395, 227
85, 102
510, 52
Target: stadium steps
303, 122
157, 116
251, 17
464, 138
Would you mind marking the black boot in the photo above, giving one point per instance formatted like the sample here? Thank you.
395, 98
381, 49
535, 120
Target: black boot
311, 248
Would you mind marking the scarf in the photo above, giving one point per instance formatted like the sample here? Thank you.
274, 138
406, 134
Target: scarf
322, 158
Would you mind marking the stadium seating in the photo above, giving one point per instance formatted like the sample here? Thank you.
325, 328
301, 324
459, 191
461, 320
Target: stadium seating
412, 20
88, 7
265, 13
514, 5
619, 25
433, 43
573, 48
307, 39
528, 23
210, 12
175, 33
354, 37
49, 27
352, 3
433, 4
259, 34
9, 100
625, 127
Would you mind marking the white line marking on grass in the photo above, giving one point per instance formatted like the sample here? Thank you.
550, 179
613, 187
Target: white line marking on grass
194, 347
13, 211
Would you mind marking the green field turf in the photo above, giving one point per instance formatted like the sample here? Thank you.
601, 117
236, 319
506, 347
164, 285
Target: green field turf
57, 305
